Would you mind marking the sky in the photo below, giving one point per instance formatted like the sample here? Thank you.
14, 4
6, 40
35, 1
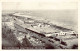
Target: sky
40, 5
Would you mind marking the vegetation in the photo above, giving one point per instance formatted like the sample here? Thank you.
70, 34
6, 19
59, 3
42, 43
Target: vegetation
9, 38
75, 46
63, 43
26, 42
48, 46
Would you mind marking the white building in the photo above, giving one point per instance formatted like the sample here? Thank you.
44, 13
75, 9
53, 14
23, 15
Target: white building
60, 33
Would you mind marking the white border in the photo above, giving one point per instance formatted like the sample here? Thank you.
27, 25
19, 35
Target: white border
38, 1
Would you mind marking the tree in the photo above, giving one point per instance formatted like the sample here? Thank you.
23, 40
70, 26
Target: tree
75, 46
48, 46
26, 42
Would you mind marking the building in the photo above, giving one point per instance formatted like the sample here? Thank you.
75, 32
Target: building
59, 33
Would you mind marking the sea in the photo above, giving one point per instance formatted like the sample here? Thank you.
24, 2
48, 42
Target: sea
64, 18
